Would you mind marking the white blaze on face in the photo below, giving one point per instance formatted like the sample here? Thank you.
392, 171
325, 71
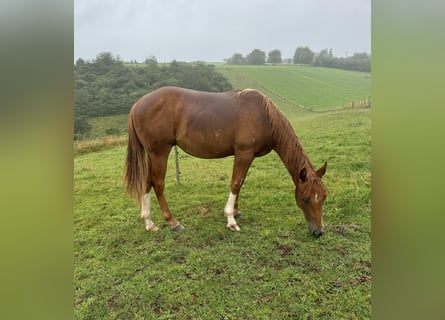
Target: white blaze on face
316, 197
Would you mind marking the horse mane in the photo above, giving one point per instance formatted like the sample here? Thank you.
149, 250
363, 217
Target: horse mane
286, 143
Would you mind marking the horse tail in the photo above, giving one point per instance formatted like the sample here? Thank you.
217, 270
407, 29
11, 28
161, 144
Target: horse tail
136, 164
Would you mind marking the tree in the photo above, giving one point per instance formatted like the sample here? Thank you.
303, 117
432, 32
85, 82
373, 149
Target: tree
274, 56
81, 125
356, 62
288, 60
360, 62
106, 87
324, 58
80, 61
151, 60
303, 55
237, 58
256, 57
107, 58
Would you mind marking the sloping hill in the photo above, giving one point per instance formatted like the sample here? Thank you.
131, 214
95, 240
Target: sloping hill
308, 87
296, 90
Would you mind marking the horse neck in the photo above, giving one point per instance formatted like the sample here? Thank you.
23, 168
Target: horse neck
290, 151
286, 143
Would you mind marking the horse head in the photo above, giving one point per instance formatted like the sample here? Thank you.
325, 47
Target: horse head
310, 193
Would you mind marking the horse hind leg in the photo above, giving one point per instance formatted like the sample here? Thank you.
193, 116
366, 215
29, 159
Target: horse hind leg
146, 213
158, 172
146, 207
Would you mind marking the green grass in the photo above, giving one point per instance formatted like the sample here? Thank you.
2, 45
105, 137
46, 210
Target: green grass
105, 132
115, 125
271, 269
309, 87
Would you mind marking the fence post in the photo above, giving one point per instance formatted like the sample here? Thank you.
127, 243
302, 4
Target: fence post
178, 173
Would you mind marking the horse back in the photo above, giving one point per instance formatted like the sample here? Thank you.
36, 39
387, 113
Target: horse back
204, 124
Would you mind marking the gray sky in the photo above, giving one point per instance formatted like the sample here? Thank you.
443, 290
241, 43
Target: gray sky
211, 30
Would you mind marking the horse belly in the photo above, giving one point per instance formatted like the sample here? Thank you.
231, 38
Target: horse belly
207, 145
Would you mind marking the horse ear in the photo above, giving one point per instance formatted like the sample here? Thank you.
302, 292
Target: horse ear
322, 170
302, 174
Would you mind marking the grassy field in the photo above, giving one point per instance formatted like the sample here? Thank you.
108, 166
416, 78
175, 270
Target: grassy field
309, 87
271, 269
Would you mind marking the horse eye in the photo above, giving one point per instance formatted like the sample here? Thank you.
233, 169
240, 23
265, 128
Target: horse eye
305, 199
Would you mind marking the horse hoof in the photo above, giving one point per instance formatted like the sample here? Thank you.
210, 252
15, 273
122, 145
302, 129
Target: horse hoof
178, 227
153, 229
233, 227
238, 216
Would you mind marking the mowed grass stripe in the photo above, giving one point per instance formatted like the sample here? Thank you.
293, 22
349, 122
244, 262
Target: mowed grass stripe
310, 87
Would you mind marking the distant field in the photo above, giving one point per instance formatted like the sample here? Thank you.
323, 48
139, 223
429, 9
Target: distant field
310, 87
109, 126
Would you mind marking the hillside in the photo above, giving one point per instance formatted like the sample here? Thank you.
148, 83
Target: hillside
309, 87
107, 86
296, 90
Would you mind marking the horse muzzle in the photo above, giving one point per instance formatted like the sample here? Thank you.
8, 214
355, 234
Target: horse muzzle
314, 230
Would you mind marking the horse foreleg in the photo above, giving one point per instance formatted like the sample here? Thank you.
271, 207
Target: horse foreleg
240, 167
229, 211
236, 211
158, 171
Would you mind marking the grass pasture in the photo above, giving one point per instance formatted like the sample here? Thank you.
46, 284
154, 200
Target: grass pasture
309, 87
271, 269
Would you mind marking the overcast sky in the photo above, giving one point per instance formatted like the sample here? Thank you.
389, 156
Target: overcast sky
211, 30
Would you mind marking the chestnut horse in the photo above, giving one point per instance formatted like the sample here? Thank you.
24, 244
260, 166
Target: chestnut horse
242, 123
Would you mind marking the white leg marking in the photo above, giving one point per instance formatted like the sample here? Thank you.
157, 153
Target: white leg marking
230, 206
145, 213
229, 210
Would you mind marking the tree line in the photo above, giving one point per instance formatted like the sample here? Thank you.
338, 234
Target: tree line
304, 56
108, 86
